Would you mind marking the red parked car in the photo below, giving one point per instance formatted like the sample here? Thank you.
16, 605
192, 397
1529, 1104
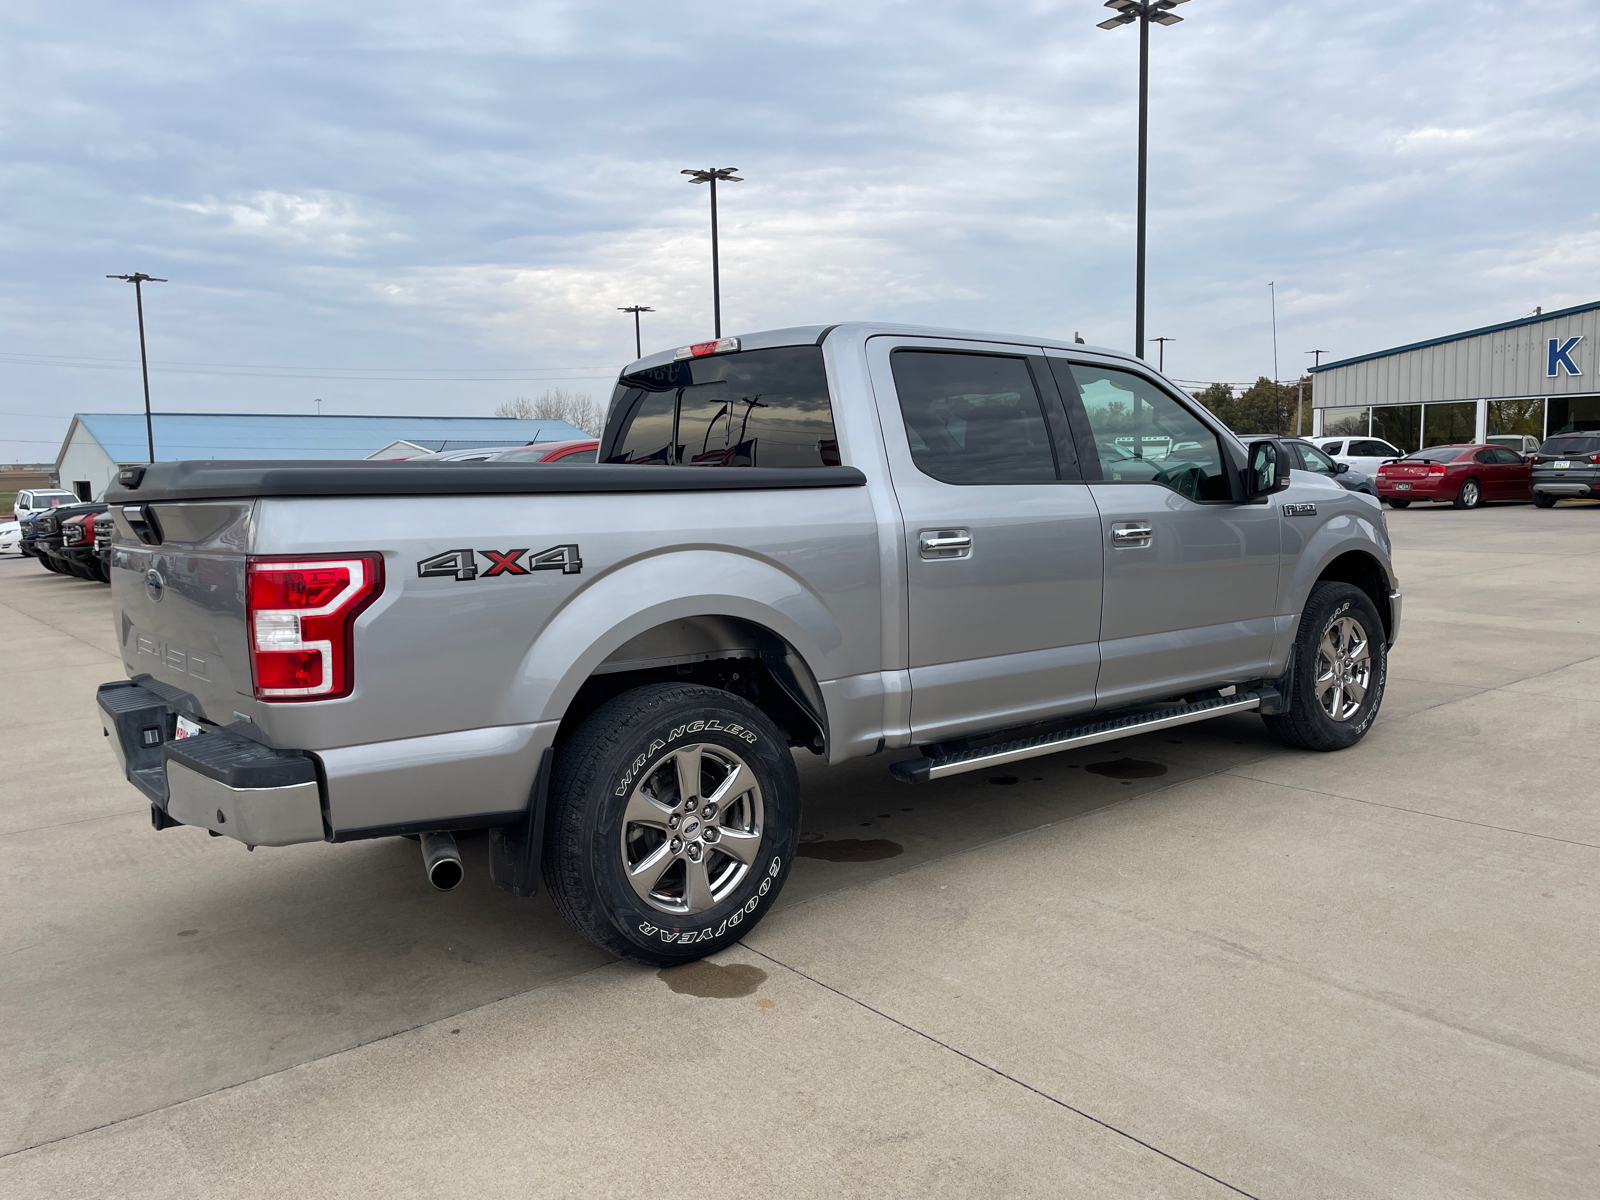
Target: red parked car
576, 450
1466, 476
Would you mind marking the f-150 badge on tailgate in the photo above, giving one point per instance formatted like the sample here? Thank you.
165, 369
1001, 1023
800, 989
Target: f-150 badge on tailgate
462, 565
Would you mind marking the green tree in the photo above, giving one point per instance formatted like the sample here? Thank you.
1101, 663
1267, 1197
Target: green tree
1220, 400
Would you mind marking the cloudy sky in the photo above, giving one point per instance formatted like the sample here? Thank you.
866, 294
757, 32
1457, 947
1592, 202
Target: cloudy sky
432, 208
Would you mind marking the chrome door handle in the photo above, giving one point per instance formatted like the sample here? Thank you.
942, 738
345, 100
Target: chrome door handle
945, 543
1133, 533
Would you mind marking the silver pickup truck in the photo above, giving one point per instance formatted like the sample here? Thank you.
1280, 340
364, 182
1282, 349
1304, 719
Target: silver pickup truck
849, 540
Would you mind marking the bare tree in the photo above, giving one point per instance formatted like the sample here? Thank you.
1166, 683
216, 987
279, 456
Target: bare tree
558, 404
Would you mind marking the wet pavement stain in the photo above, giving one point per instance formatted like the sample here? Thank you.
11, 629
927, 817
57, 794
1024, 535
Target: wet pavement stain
712, 982
851, 850
1127, 768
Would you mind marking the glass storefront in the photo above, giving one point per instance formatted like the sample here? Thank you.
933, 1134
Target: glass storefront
1572, 414
1452, 424
1346, 422
1516, 416
1399, 425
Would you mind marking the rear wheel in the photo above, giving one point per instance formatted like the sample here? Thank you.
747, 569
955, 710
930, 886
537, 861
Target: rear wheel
1399, 503
1470, 495
674, 817
1540, 500
1340, 664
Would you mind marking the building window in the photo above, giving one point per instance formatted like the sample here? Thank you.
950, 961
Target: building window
1516, 416
84, 489
1399, 425
1573, 414
1452, 424
1346, 422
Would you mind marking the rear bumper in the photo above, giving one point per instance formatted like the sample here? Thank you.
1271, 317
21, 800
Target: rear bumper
1419, 490
216, 780
1567, 488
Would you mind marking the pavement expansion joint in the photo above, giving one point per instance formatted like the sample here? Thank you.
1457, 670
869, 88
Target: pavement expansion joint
994, 1070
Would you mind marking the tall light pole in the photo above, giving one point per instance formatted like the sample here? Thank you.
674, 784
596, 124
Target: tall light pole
711, 175
638, 346
1144, 12
139, 279
1316, 361
1161, 352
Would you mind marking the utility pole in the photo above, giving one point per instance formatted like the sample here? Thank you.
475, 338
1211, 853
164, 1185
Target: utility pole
1143, 11
1161, 352
638, 350
318, 403
1272, 288
1316, 361
711, 175
139, 279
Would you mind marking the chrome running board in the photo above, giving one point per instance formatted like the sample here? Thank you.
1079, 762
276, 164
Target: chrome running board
921, 770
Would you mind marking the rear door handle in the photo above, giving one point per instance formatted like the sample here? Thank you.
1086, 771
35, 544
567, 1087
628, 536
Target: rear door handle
944, 543
1132, 533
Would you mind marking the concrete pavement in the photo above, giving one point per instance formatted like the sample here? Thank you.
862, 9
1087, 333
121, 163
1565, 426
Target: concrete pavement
1193, 964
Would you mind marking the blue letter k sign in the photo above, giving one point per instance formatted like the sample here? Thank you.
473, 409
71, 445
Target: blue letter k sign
1561, 356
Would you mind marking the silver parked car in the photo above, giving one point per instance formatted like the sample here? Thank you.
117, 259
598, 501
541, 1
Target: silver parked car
959, 550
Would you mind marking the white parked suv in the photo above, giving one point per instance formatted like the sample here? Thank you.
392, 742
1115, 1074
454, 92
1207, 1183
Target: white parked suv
1363, 454
32, 500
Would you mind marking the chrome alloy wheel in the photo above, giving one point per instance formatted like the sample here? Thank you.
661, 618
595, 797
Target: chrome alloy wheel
1344, 668
1470, 492
691, 829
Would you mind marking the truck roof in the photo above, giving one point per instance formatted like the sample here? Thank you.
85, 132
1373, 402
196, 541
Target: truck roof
800, 335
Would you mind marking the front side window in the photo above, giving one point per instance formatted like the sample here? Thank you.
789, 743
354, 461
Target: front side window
973, 418
1373, 450
1143, 435
755, 408
1316, 460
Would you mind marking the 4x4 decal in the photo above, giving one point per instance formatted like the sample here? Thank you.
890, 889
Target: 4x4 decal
462, 565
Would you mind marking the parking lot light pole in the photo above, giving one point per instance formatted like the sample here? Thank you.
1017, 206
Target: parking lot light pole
1316, 362
139, 279
711, 175
1144, 12
1161, 352
638, 348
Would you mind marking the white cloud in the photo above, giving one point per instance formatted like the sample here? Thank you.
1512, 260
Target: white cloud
322, 222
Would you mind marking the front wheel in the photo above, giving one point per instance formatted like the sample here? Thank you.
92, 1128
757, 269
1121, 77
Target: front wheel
674, 817
1541, 500
1339, 666
1470, 495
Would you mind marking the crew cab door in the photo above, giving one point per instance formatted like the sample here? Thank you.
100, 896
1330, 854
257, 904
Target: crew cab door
1191, 572
1002, 537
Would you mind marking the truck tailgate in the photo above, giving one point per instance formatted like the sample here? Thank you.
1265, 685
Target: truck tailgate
180, 603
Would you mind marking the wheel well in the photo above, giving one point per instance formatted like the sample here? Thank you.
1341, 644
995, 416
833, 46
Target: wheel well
729, 653
1365, 572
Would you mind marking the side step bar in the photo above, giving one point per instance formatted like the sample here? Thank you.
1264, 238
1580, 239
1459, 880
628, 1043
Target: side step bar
921, 770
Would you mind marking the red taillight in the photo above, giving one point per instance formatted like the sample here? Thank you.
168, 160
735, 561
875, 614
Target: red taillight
1594, 458
302, 614
1436, 469
700, 349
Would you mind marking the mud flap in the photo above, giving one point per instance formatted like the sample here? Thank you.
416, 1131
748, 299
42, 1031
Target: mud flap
515, 850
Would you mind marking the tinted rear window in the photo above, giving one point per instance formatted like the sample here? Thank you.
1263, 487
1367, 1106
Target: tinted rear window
1437, 454
1571, 445
757, 408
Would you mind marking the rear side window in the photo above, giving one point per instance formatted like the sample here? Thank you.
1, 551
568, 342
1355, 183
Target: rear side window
973, 418
1333, 447
1143, 435
1373, 450
757, 408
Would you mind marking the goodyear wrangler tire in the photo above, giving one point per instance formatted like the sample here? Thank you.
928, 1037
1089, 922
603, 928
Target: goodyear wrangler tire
673, 820
1340, 667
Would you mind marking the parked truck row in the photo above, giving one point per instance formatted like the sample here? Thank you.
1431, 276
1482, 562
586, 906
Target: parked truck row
951, 549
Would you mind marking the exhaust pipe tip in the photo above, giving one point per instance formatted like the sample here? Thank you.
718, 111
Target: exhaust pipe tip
441, 861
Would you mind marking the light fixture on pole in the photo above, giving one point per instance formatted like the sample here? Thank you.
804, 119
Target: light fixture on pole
1144, 12
638, 350
711, 175
139, 279
1161, 352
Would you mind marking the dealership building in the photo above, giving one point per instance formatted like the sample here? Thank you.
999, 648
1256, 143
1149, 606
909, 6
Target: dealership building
1534, 376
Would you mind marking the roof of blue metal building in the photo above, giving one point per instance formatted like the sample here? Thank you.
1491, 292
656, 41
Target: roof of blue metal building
277, 435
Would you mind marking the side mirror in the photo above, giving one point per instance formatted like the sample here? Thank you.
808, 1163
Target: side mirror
1268, 471
1340, 468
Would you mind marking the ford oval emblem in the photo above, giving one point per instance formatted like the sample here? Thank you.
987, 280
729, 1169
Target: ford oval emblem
154, 586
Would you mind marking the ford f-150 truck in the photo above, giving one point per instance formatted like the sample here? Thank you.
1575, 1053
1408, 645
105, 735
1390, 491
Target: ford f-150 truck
847, 540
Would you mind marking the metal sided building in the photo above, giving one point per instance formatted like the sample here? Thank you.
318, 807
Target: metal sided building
1539, 375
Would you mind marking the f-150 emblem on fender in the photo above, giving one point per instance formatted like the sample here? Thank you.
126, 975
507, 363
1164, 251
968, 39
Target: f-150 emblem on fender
462, 565
1299, 510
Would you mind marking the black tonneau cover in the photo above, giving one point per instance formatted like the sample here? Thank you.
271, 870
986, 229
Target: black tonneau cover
241, 480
